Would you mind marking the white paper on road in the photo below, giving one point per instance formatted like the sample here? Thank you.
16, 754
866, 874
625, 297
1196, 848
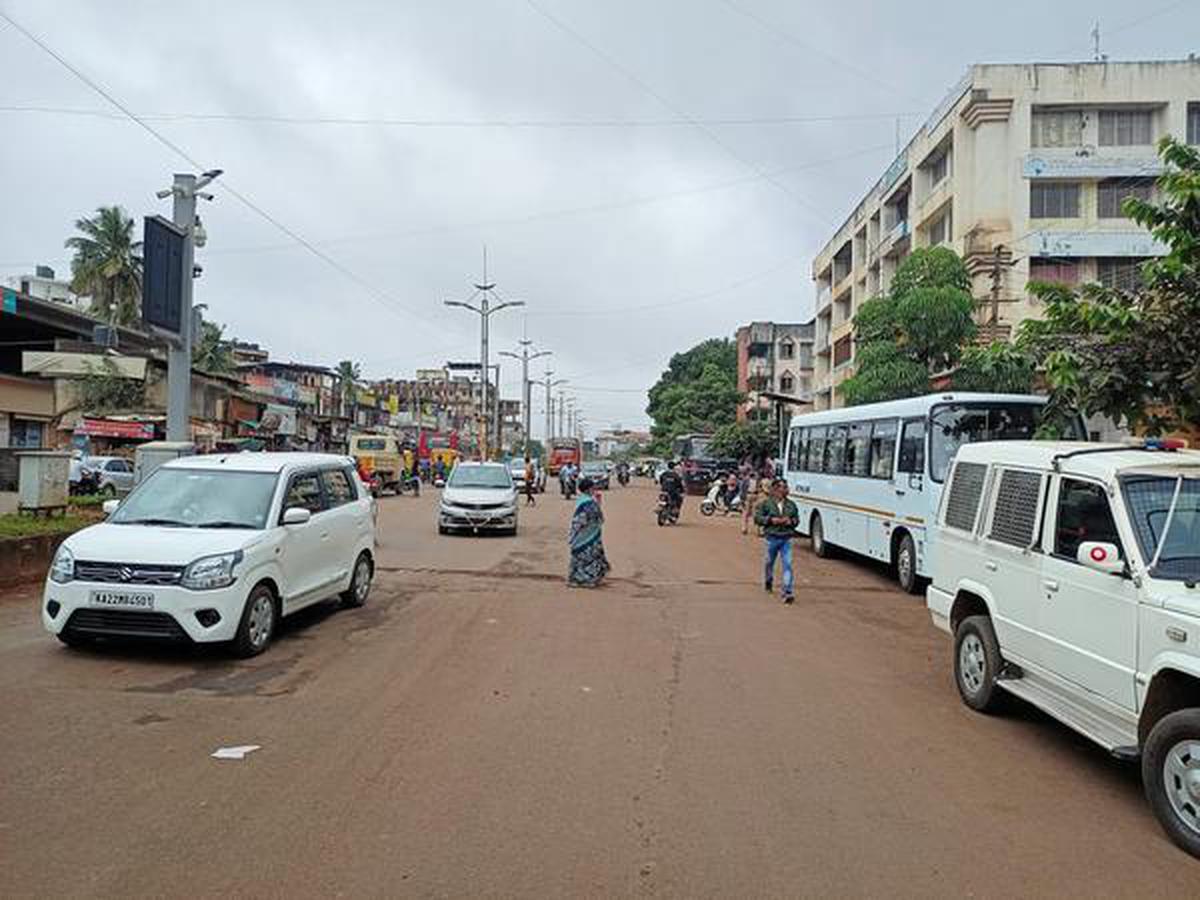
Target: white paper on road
235, 752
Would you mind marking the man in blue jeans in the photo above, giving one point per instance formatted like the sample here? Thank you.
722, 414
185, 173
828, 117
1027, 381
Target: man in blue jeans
778, 517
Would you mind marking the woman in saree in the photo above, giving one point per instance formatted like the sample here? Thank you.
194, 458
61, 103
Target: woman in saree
589, 565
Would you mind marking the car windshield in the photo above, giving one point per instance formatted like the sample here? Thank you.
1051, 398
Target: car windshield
372, 443
479, 477
1165, 512
595, 467
200, 498
969, 423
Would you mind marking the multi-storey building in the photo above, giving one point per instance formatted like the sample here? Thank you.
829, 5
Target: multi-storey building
774, 364
1021, 170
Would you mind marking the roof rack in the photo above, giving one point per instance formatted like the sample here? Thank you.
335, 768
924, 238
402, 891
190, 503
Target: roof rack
1152, 445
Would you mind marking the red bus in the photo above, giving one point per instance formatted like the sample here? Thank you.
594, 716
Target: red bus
563, 451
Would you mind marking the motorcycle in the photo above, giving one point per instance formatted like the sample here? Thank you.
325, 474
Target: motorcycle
668, 509
623, 477
409, 483
718, 498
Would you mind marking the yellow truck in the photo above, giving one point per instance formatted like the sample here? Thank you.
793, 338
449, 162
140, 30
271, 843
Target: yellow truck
383, 456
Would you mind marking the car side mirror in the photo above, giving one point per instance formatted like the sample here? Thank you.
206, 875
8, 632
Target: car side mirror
110, 506
1101, 556
296, 515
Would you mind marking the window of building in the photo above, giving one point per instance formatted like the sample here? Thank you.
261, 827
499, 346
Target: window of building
1053, 271
939, 229
1125, 127
938, 168
1112, 193
25, 434
883, 448
1120, 273
787, 350
1193, 126
1057, 128
787, 384
1054, 200
1083, 515
842, 351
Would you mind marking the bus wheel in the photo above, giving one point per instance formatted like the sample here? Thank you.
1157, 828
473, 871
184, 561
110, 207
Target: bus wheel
816, 533
906, 565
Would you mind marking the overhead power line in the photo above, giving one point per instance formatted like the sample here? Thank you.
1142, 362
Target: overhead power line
372, 292
450, 123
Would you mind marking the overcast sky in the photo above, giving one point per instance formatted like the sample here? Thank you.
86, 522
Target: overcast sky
589, 145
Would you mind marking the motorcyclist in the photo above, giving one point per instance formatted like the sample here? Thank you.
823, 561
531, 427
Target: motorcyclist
672, 485
730, 491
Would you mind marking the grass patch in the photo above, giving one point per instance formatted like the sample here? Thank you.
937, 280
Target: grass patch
86, 500
21, 525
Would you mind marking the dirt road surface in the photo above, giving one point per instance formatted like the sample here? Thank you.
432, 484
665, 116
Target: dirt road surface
480, 730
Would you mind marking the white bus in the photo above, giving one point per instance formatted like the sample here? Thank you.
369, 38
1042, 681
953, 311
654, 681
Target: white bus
868, 478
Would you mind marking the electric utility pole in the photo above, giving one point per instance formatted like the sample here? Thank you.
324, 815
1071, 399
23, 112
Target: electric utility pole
526, 385
184, 189
485, 291
550, 386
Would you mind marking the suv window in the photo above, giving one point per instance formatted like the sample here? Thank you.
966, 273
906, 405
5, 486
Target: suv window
962, 500
1016, 512
305, 492
117, 465
1083, 515
339, 489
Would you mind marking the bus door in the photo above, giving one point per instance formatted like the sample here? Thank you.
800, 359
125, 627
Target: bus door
912, 487
859, 516
884, 434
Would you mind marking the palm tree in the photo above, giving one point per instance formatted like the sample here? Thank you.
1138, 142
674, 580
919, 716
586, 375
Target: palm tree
210, 351
350, 373
108, 265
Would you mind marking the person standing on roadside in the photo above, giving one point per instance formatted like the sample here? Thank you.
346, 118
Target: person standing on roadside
530, 483
588, 564
754, 496
778, 517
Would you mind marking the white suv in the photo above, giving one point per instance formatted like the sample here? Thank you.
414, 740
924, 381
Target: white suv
1068, 575
217, 548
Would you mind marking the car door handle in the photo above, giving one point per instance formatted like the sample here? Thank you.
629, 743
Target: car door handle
1051, 586
900, 493
990, 566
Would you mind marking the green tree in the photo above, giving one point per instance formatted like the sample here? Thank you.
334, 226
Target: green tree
350, 374
918, 328
1131, 356
739, 440
998, 367
105, 390
107, 265
697, 393
211, 352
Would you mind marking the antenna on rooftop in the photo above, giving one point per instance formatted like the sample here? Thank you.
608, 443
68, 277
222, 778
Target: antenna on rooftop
1097, 56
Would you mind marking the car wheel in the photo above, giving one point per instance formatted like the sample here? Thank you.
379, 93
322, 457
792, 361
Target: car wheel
816, 534
906, 565
360, 585
109, 490
1171, 777
977, 663
257, 626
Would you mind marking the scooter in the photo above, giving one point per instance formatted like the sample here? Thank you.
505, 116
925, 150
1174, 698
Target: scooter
668, 509
717, 499
623, 477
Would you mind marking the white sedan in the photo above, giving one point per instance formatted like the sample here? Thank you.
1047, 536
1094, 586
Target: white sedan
217, 548
479, 497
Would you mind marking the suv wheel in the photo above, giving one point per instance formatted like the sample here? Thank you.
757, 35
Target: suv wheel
977, 663
360, 585
816, 534
1171, 776
257, 626
906, 565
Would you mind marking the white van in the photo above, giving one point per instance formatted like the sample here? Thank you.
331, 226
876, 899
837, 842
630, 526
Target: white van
1068, 574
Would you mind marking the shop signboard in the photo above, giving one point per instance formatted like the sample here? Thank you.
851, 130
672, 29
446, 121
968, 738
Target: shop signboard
278, 419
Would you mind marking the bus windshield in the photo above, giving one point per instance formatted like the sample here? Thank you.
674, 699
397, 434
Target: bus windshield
955, 424
693, 446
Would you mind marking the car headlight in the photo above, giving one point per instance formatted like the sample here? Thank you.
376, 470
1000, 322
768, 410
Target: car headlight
211, 572
62, 570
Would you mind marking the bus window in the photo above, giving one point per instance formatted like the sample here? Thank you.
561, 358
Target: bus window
816, 449
835, 450
858, 449
883, 448
796, 449
912, 447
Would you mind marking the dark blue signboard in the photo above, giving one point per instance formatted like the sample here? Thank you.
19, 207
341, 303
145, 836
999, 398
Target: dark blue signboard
162, 275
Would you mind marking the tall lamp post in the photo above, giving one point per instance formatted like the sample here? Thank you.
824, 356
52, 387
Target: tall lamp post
550, 386
484, 310
526, 390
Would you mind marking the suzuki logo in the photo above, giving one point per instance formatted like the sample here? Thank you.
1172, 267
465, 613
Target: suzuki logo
126, 573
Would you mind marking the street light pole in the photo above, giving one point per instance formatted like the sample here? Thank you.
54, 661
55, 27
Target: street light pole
526, 386
184, 190
550, 386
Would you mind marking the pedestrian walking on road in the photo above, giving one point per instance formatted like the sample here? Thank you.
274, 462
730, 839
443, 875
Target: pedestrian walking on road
755, 494
589, 565
778, 517
530, 483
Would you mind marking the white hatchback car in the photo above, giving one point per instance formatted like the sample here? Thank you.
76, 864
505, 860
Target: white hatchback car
217, 548
1069, 575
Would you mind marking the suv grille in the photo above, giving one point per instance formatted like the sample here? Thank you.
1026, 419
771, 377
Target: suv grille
127, 573
126, 623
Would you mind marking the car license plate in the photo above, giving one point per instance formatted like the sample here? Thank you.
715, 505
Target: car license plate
123, 599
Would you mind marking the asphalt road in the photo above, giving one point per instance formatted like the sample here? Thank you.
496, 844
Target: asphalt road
480, 730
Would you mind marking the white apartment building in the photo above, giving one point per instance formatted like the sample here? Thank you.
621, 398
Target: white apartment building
1021, 170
